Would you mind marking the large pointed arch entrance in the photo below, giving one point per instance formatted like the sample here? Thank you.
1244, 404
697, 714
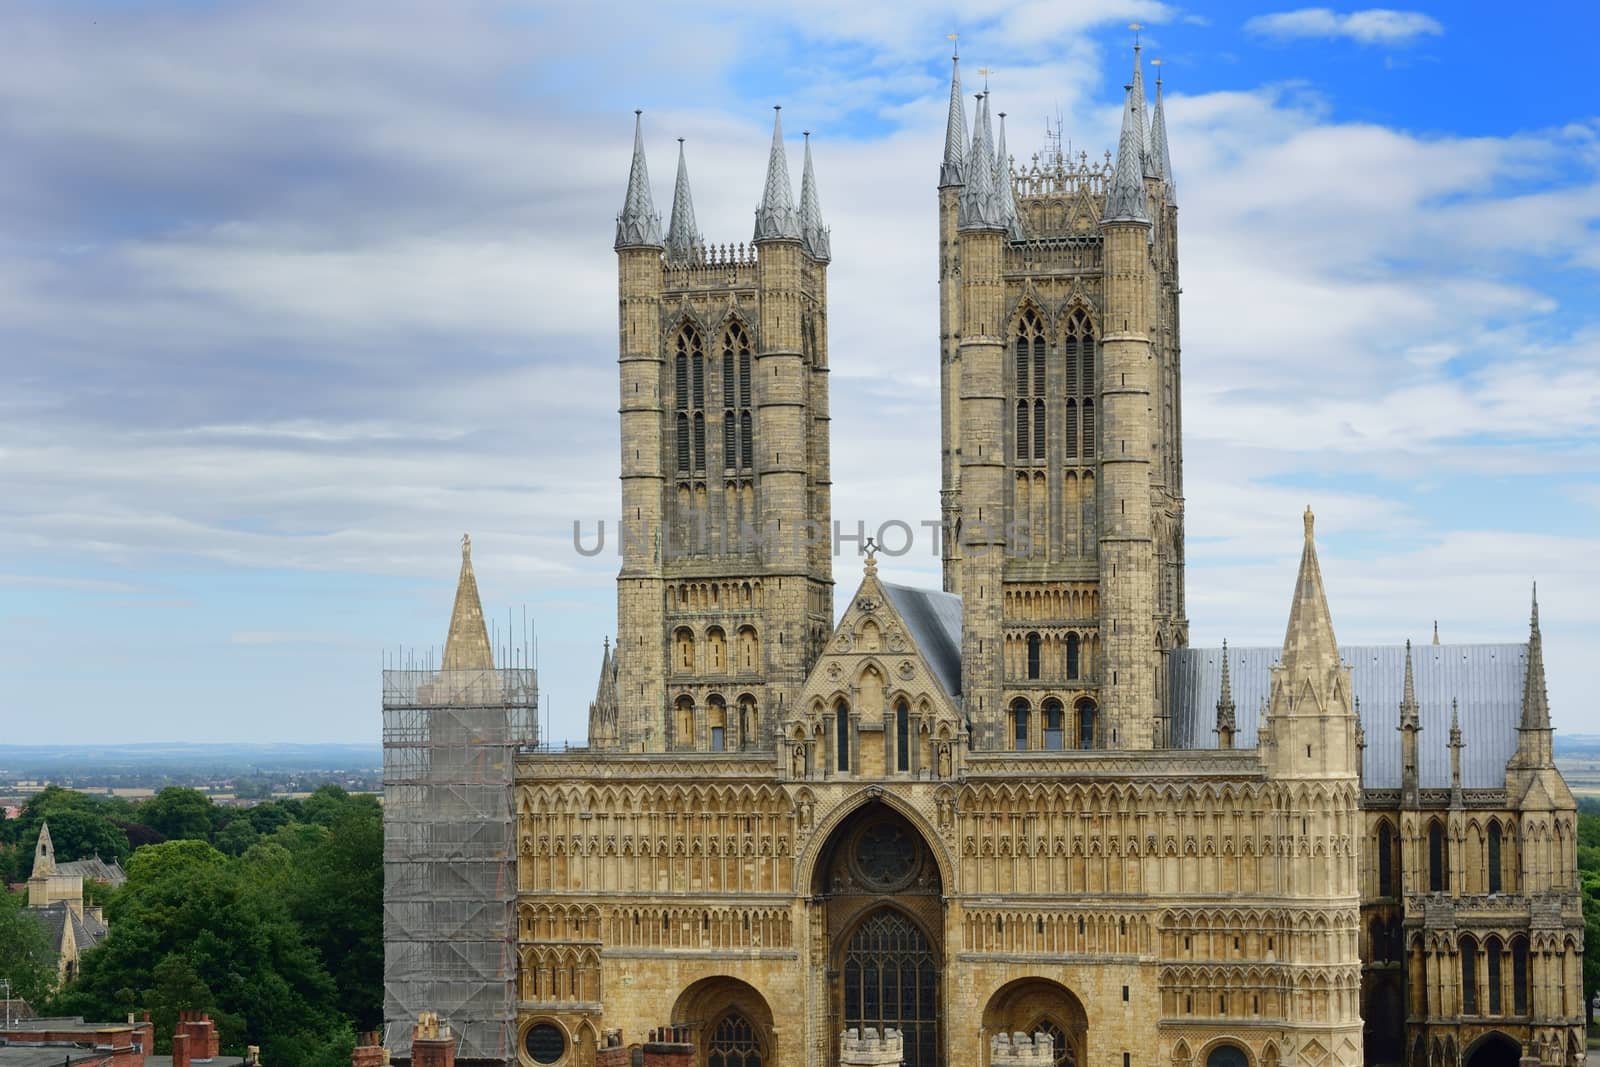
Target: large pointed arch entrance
1040, 1005
879, 943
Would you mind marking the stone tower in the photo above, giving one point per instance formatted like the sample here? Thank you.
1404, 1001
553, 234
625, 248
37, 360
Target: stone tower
725, 592
1062, 486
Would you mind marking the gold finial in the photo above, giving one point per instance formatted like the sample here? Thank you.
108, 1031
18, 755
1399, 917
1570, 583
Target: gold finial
986, 71
955, 44
1135, 27
1310, 521
1156, 63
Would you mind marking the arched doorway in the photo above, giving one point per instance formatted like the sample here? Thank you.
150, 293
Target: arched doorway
881, 956
1227, 1056
1493, 1049
730, 1020
1034, 1005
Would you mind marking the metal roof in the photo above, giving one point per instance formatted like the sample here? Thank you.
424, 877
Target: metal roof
934, 619
1486, 680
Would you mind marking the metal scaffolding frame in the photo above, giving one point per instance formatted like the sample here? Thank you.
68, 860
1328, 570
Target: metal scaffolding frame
449, 852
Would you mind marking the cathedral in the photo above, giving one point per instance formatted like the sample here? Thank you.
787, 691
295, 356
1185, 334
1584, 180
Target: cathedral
1017, 820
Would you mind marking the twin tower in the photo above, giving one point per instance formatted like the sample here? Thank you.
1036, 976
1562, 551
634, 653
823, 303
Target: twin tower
1061, 477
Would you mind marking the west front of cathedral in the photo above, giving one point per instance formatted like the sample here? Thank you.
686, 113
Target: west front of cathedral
1015, 821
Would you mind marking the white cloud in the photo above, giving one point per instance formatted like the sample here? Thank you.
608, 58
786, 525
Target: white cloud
1372, 26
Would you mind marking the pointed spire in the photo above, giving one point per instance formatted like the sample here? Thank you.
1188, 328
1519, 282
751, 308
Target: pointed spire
44, 852
683, 235
775, 218
1002, 184
1410, 713
1146, 161
1436, 631
638, 226
813, 234
1227, 722
1455, 752
467, 646
1125, 199
1309, 642
953, 170
1159, 156
980, 204
1535, 697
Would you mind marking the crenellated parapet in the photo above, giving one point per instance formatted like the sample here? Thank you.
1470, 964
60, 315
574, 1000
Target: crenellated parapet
868, 1048
1020, 1050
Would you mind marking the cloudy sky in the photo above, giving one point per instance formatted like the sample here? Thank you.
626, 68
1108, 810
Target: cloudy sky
291, 294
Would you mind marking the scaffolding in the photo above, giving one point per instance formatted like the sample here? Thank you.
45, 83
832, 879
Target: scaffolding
450, 739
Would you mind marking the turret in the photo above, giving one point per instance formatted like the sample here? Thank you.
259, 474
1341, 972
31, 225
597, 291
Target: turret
603, 709
641, 367
951, 172
1128, 576
981, 440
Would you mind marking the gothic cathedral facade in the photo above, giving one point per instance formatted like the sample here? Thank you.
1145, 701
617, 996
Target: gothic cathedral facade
1017, 819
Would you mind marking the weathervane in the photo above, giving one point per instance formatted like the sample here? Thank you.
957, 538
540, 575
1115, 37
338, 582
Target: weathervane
955, 46
1135, 27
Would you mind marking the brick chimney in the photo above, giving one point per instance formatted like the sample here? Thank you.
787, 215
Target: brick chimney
432, 1043
369, 1051
669, 1046
204, 1041
180, 1049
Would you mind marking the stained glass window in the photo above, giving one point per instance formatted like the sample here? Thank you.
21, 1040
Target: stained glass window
891, 979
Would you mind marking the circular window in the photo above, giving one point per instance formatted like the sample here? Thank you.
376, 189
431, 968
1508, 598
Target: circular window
886, 856
545, 1043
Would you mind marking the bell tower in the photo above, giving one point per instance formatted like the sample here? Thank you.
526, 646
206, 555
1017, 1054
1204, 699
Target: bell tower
726, 591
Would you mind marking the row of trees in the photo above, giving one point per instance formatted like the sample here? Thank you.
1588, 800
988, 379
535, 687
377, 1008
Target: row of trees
269, 918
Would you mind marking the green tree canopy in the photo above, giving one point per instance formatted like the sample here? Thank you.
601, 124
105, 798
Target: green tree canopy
179, 812
26, 955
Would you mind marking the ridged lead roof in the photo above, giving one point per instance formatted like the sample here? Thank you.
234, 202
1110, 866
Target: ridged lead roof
1487, 680
638, 226
934, 619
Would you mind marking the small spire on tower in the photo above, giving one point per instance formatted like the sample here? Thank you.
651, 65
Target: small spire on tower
1136, 88
1002, 182
775, 218
813, 234
1125, 199
1410, 712
467, 645
1159, 156
1309, 640
683, 235
44, 852
1227, 721
953, 169
1535, 695
638, 226
980, 205
1436, 631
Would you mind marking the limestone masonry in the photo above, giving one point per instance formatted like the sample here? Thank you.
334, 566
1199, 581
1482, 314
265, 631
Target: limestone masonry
1016, 821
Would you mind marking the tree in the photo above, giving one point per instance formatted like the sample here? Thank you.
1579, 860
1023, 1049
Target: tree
337, 897
26, 955
179, 813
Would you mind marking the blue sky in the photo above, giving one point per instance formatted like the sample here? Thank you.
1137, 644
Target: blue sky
290, 296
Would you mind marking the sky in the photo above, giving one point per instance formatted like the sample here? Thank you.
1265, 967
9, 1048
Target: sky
292, 295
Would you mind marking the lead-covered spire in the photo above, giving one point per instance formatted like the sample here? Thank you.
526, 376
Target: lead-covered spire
638, 226
1145, 159
1227, 720
1002, 184
1125, 199
1410, 712
980, 205
952, 171
813, 234
776, 218
683, 235
1159, 157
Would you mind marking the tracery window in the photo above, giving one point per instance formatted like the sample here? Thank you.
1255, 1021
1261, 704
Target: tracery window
1078, 357
733, 1043
1062, 1052
1494, 856
891, 979
689, 381
1030, 382
1227, 1056
736, 409
1438, 859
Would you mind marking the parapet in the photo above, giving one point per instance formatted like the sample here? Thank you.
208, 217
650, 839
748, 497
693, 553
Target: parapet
1020, 1050
867, 1048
